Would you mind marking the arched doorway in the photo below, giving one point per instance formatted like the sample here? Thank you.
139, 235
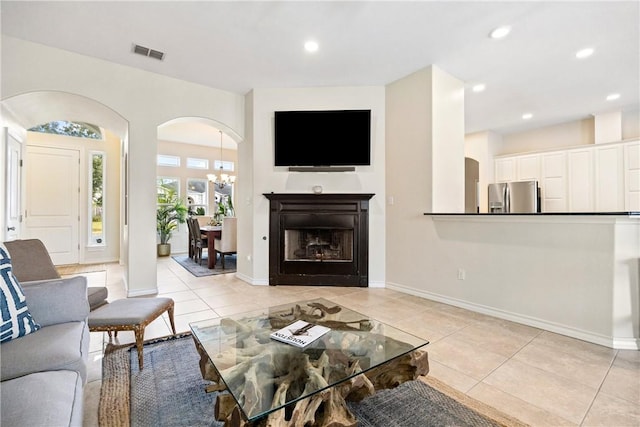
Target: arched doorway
190, 150
55, 168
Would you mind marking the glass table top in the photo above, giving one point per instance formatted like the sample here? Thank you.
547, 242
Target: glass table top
255, 368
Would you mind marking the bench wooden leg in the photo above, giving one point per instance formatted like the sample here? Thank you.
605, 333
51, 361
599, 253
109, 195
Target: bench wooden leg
139, 332
173, 324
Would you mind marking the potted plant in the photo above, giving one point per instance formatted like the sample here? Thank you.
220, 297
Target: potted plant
171, 212
224, 208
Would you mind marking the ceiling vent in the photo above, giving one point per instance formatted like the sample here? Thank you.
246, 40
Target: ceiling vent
145, 51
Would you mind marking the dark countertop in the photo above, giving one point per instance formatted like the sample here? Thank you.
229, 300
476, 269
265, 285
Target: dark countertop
630, 213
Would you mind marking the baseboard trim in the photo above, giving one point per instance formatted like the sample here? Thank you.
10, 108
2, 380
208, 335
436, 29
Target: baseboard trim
142, 292
251, 281
606, 341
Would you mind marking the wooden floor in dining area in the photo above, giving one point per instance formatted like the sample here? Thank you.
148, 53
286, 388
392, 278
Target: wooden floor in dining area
542, 378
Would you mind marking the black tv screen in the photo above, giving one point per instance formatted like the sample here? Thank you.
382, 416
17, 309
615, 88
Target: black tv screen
323, 138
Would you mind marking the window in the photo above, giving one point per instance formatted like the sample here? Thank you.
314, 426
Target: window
197, 195
193, 163
166, 160
77, 129
97, 199
167, 186
227, 166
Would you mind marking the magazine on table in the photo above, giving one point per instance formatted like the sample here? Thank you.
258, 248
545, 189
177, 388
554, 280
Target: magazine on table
300, 333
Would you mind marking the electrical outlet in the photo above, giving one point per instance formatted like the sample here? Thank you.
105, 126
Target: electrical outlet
462, 274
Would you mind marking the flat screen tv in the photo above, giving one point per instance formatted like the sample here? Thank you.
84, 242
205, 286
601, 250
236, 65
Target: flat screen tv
323, 138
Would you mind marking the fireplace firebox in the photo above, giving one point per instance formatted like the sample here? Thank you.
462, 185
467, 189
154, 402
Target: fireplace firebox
319, 239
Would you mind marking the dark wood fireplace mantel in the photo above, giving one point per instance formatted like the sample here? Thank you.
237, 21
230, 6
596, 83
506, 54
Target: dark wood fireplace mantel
319, 239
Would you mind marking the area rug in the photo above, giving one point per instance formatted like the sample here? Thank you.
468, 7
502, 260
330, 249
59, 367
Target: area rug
170, 392
202, 270
65, 270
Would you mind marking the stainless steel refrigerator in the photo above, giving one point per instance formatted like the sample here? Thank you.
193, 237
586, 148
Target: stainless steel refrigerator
514, 197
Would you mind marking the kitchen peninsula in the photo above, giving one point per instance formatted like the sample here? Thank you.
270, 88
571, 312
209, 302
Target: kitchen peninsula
576, 274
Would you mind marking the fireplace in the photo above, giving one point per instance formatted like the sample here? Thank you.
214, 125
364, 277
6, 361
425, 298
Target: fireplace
319, 239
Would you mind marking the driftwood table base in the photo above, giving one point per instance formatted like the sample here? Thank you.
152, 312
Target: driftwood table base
281, 385
327, 408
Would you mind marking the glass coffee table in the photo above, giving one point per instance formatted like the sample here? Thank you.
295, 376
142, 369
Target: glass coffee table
263, 375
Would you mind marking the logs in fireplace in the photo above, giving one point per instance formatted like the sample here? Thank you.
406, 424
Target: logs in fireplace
319, 239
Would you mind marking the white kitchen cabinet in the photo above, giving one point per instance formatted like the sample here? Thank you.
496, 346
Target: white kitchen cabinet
528, 167
632, 176
505, 169
553, 182
580, 180
593, 178
609, 178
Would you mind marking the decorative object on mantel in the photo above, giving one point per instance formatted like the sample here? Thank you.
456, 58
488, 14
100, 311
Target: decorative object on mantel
222, 178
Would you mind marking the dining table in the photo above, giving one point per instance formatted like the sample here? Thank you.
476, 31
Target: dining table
212, 232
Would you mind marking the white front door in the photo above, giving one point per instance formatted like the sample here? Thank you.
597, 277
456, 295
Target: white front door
12, 202
52, 195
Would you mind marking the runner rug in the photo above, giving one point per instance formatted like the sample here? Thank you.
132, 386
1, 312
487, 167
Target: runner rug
66, 270
169, 392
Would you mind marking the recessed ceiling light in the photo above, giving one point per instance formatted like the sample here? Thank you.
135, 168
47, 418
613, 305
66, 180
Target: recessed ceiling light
613, 96
500, 32
478, 87
584, 53
527, 116
311, 46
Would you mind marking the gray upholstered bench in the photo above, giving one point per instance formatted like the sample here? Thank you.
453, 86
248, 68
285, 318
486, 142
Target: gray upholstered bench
131, 314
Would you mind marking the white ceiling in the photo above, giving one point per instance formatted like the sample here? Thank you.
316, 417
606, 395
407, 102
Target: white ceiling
241, 45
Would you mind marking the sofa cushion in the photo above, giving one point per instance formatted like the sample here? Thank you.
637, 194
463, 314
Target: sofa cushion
31, 260
42, 399
58, 301
62, 346
16, 318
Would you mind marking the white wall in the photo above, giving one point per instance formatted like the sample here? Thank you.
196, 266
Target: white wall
480, 146
247, 238
575, 275
268, 178
631, 123
447, 142
570, 134
565, 135
419, 157
145, 100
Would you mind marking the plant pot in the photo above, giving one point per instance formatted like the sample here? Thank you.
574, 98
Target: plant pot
164, 249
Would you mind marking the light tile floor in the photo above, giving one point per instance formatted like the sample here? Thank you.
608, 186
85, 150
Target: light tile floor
542, 378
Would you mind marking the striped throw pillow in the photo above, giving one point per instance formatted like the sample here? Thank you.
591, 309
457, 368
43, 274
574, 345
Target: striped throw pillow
16, 318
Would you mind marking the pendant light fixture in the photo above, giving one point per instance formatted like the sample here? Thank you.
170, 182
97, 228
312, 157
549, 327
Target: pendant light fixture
222, 178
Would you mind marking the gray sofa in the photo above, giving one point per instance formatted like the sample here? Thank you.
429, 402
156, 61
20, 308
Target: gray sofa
43, 373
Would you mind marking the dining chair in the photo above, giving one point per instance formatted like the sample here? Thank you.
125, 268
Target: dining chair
192, 241
203, 220
199, 240
227, 242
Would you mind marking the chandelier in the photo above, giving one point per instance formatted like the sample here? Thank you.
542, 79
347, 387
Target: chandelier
222, 178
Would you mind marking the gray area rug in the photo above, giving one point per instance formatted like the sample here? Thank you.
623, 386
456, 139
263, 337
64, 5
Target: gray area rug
169, 392
202, 270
